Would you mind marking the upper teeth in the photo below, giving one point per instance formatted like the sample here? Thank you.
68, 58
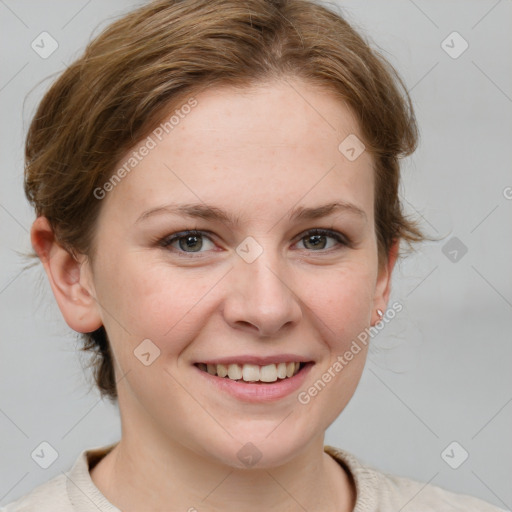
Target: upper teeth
252, 372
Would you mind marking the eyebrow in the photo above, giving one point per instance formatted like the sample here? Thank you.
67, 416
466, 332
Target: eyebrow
213, 213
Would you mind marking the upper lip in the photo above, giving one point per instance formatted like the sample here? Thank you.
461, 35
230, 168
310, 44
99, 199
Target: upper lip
257, 360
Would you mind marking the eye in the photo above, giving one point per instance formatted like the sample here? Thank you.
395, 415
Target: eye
192, 241
186, 241
315, 239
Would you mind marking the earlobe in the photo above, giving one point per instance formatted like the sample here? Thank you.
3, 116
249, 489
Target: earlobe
76, 303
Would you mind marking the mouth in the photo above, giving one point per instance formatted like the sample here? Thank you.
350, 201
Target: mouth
253, 373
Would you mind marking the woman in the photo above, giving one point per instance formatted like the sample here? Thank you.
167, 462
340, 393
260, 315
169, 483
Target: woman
216, 190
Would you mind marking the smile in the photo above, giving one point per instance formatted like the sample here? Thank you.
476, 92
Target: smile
252, 372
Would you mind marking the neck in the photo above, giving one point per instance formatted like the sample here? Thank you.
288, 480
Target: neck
136, 477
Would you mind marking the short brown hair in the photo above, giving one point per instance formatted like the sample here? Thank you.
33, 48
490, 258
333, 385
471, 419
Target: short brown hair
149, 60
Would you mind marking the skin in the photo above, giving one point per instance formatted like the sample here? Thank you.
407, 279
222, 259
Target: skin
257, 154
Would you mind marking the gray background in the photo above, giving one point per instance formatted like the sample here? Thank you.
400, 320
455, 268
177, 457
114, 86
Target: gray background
438, 373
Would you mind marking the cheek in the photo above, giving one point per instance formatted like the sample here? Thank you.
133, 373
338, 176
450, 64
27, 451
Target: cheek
343, 302
170, 305
154, 301
342, 311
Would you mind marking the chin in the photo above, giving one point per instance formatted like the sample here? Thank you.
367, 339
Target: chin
257, 450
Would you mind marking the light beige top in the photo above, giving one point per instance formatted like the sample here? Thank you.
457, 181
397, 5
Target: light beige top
75, 491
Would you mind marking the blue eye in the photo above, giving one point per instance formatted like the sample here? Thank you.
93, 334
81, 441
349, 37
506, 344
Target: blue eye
192, 241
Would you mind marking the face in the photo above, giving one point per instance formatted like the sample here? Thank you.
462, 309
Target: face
271, 274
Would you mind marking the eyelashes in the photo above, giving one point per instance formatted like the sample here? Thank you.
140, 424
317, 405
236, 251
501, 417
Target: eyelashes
189, 235
193, 239
340, 239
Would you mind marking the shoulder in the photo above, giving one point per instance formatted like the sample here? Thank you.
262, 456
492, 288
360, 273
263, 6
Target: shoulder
377, 490
48, 497
73, 491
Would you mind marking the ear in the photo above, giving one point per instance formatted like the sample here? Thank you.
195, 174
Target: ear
383, 285
67, 275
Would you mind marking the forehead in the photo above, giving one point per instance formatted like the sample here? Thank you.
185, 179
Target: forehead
277, 142
278, 114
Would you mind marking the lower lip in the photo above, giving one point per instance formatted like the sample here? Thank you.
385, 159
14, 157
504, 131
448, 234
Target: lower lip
264, 392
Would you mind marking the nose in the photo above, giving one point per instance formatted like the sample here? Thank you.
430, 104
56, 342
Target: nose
261, 299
